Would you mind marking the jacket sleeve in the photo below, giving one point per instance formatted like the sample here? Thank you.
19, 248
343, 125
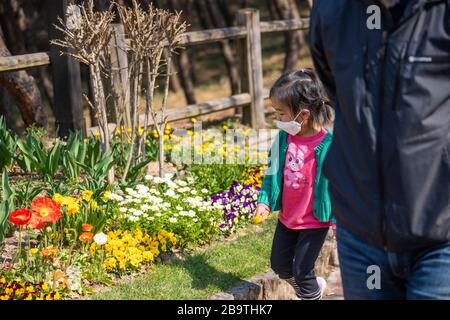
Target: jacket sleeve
265, 195
318, 52
266, 188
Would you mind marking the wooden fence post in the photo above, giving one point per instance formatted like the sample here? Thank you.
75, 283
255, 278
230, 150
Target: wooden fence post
120, 92
250, 63
66, 76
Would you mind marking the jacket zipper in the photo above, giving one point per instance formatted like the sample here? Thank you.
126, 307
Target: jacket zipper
380, 158
385, 38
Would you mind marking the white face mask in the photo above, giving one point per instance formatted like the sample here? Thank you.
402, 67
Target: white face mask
292, 127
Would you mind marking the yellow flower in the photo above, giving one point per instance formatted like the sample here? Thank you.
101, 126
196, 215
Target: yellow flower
72, 208
225, 127
19, 292
110, 263
105, 196
93, 204
193, 120
86, 195
57, 296
2, 280
30, 289
4, 297
257, 219
58, 198
45, 286
34, 250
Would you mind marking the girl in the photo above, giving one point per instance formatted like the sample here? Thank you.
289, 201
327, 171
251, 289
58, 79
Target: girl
294, 183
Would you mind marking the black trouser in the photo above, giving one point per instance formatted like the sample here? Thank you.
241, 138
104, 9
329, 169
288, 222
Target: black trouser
294, 254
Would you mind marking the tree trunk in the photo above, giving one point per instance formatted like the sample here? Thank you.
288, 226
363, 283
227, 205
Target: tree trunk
184, 64
300, 35
225, 10
23, 88
292, 54
227, 52
272, 11
6, 110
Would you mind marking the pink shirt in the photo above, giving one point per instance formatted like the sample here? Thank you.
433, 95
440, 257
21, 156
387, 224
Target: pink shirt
299, 175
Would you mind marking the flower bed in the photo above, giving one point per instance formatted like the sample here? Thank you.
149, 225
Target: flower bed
73, 229
67, 243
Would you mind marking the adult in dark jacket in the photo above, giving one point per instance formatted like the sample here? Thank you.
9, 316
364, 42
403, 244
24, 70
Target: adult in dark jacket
389, 163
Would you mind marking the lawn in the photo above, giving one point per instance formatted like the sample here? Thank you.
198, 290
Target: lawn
204, 273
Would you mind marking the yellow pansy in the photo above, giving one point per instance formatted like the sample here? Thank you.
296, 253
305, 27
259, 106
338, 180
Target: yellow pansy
86, 195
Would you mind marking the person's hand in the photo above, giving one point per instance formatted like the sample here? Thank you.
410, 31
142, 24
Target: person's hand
261, 210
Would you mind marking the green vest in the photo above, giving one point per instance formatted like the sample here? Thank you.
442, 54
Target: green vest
272, 184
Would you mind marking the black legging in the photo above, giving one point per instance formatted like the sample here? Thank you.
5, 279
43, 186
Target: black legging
294, 254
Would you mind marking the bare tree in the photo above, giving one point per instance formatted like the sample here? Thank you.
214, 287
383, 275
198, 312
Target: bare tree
154, 36
88, 33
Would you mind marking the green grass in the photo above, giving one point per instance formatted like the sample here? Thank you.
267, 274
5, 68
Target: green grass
202, 274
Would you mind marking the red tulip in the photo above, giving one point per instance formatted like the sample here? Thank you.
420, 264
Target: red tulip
20, 217
36, 222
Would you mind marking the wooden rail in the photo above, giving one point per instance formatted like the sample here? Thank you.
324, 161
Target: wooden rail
249, 102
39, 59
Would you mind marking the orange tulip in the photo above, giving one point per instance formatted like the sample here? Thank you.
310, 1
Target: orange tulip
86, 227
46, 209
86, 236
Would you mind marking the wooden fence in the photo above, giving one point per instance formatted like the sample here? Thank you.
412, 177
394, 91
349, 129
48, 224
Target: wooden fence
250, 100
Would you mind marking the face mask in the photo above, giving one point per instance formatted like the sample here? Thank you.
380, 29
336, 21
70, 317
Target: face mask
292, 127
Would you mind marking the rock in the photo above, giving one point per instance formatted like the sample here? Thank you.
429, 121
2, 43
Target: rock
265, 286
222, 296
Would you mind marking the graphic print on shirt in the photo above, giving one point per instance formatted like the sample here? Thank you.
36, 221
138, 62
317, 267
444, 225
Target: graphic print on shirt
295, 158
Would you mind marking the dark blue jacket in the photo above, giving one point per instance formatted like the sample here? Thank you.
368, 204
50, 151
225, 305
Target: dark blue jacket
389, 163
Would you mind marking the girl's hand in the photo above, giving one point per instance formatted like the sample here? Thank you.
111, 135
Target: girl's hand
261, 210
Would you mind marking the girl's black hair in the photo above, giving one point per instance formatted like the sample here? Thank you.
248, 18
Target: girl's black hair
303, 89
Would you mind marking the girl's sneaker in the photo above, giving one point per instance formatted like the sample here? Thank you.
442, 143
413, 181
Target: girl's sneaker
322, 285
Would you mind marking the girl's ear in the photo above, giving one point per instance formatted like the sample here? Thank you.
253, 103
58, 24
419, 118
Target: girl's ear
305, 114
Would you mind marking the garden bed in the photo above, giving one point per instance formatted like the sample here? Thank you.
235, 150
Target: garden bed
79, 233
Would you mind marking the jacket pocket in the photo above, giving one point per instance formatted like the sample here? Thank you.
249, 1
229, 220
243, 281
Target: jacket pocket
423, 96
